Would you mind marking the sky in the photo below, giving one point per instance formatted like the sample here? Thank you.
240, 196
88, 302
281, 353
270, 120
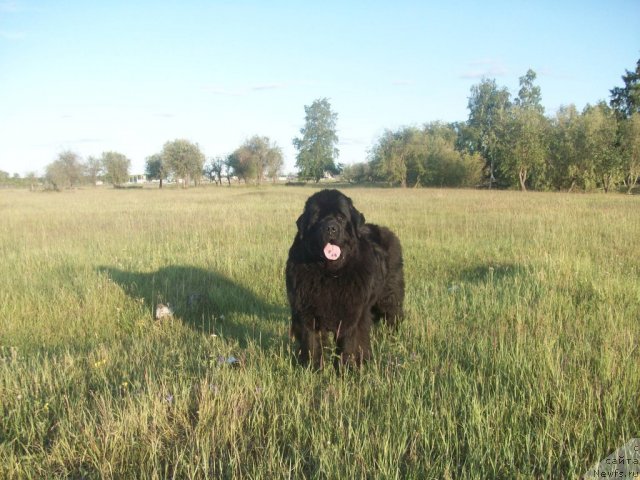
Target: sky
126, 76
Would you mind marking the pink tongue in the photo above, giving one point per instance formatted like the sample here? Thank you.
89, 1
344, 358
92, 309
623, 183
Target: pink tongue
332, 252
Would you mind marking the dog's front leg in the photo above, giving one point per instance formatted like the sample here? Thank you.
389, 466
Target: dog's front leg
310, 344
354, 345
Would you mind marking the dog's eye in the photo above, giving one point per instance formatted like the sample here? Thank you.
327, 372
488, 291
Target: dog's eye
341, 218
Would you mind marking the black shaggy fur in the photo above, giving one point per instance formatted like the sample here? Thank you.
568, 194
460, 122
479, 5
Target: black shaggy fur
339, 299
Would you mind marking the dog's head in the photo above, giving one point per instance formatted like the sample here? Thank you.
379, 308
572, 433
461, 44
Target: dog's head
330, 227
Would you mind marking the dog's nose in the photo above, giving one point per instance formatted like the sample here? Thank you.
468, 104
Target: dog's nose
332, 229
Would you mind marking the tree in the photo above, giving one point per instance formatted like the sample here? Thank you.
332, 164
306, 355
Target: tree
275, 161
317, 150
599, 144
55, 176
567, 167
65, 172
240, 165
213, 170
116, 167
529, 95
255, 159
32, 180
227, 169
626, 100
471, 166
630, 136
184, 159
523, 146
487, 106
155, 168
444, 166
389, 156
426, 156
523, 142
358, 173
93, 168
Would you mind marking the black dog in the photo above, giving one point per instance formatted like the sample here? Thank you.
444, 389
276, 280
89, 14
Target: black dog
342, 274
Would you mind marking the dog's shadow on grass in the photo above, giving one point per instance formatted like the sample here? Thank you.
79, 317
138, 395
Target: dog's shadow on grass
207, 301
489, 273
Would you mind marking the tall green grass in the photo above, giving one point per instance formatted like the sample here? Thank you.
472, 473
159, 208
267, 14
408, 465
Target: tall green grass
518, 357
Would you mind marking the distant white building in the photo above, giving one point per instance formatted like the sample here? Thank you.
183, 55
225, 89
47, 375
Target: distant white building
138, 178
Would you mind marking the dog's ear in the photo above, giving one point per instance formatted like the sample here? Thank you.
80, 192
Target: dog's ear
301, 223
357, 219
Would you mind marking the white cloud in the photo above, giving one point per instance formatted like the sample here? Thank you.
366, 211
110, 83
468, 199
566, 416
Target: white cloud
402, 83
482, 68
217, 90
9, 7
83, 141
7, 35
267, 86
348, 141
242, 91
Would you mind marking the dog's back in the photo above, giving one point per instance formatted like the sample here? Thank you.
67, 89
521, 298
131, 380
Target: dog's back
389, 306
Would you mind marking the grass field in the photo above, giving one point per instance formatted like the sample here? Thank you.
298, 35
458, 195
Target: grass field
518, 358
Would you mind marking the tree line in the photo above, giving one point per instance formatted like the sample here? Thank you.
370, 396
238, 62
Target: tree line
507, 141
180, 160
257, 160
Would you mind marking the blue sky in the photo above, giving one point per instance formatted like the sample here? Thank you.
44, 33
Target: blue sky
129, 76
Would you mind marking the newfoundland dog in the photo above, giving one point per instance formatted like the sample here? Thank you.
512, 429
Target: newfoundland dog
342, 274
